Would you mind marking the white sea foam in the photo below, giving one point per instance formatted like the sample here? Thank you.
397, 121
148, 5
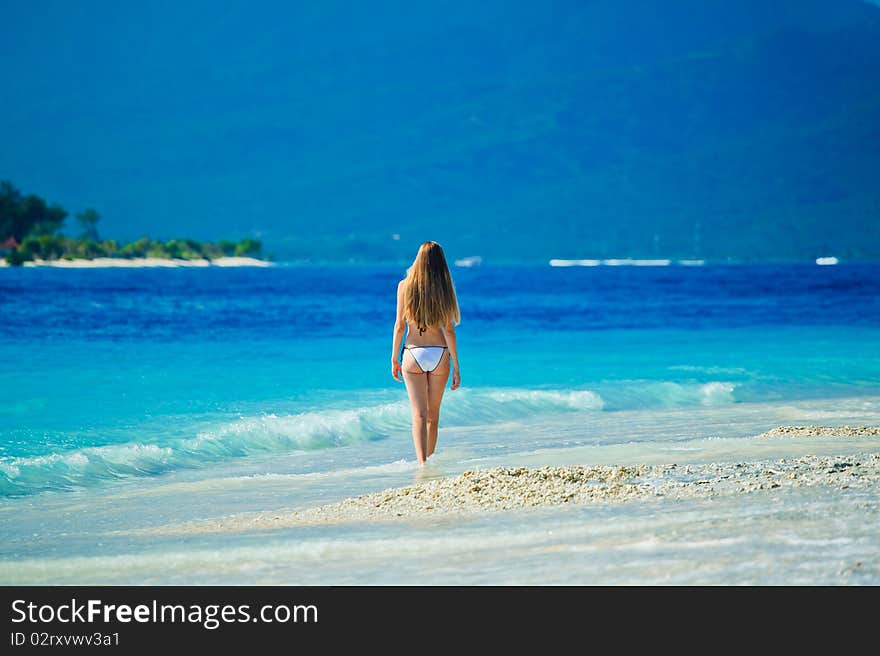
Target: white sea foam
667, 394
395, 466
710, 369
307, 430
632, 262
626, 261
717, 393
273, 433
268, 434
571, 263
575, 400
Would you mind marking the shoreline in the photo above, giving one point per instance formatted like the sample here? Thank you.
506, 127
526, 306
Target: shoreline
343, 263
501, 489
144, 263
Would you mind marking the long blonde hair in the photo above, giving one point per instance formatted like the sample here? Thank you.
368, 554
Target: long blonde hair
429, 295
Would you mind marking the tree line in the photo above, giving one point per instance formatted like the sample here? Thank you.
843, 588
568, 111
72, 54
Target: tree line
30, 229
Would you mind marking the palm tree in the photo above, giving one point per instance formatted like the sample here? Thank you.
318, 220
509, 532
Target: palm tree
88, 219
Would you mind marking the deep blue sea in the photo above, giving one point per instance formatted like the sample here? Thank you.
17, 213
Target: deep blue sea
117, 382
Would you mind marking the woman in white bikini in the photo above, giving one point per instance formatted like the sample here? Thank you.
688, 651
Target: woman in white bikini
427, 312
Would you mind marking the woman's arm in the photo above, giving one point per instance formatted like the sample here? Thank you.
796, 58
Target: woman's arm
399, 330
453, 354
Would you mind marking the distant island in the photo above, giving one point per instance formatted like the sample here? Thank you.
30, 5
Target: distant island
30, 236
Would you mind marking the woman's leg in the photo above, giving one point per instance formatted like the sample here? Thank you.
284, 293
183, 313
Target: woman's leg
417, 388
436, 386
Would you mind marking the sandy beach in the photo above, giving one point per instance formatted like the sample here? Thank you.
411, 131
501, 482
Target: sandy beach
508, 488
145, 262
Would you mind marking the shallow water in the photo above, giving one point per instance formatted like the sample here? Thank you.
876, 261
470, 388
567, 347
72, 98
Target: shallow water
155, 397
804, 536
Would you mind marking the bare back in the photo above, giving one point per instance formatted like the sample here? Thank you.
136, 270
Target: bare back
430, 336
424, 335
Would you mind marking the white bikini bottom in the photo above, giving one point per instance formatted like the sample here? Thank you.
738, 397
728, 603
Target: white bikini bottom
427, 357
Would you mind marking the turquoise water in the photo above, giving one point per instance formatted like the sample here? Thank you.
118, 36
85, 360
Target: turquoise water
133, 398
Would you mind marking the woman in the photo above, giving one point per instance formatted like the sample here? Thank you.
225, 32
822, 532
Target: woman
427, 311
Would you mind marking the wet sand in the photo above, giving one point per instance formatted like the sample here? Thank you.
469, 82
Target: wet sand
509, 488
823, 431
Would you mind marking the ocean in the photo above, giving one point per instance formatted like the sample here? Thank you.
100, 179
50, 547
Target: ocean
137, 398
